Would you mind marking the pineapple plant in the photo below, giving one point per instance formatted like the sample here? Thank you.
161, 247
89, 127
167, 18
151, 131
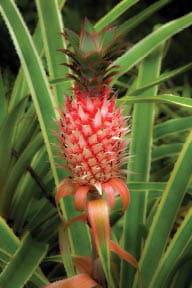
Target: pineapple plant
93, 140
147, 229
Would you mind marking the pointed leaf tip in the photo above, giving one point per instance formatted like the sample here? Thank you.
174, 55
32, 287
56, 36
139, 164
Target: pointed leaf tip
88, 26
123, 254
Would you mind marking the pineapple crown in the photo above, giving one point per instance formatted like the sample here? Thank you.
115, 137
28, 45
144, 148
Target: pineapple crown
92, 54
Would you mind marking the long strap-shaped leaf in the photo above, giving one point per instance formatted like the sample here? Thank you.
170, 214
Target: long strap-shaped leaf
163, 77
3, 101
9, 243
166, 213
137, 19
172, 126
177, 246
35, 74
23, 264
142, 129
27, 189
166, 150
6, 135
17, 172
114, 13
20, 88
164, 98
53, 41
149, 43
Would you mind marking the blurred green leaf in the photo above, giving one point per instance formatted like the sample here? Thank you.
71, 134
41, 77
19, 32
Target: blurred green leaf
17, 172
142, 129
162, 98
174, 192
49, 10
143, 48
3, 101
163, 77
114, 13
137, 19
6, 141
174, 252
172, 126
23, 264
9, 244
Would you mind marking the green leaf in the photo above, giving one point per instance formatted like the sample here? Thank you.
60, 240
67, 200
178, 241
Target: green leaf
52, 42
43, 220
164, 98
65, 251
28, 188
24, 263
172, 126
58, 81
19, 91
17, 172
4, 258
3, 101
142, 128
174, 252
134, 21
167, 209
144, 47
140, 186
186, 89
20, 88
6, 140
87, 43
9, 243
27, 128
166, 150
114, 13
163, 77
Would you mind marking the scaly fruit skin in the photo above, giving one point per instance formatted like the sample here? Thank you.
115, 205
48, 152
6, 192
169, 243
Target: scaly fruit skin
92, 138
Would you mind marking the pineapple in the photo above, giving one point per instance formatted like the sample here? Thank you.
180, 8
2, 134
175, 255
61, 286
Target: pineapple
93, 140
92, 130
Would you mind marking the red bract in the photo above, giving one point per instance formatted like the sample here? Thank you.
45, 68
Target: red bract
82, 194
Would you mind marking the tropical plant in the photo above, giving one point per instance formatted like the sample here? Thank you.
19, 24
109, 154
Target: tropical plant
91, 212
